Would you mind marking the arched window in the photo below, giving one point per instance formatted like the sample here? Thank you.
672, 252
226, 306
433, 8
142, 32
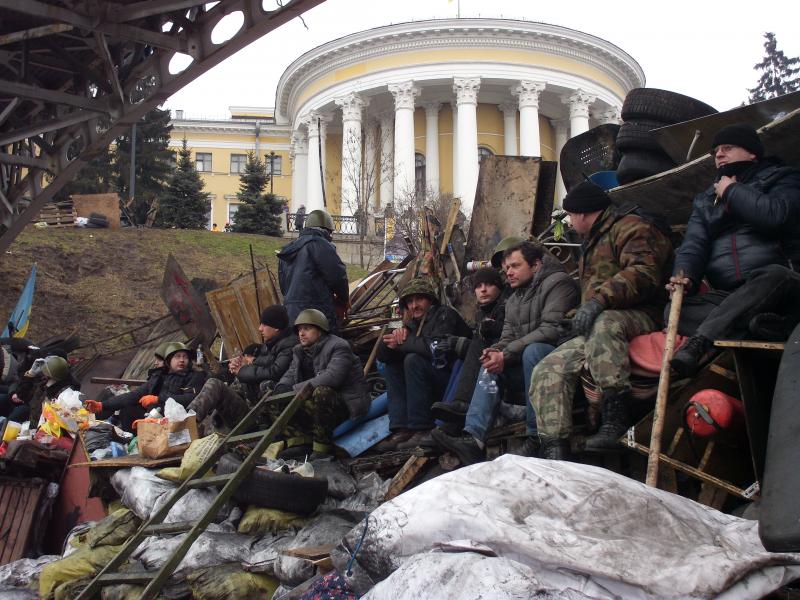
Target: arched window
419, 174
484, 151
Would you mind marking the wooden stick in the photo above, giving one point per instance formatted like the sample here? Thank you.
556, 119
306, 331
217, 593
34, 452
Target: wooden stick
451, 222
374, 352
663, 384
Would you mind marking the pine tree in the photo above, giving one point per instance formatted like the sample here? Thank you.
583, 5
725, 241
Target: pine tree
780, 73
184, 204
154, 162
258, 212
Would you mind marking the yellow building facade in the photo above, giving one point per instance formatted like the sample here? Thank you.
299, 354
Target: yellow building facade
369, 119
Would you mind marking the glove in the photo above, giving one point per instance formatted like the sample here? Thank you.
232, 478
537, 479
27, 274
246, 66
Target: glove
453, 345
93, 406
281, 388
266, 386
585, 317
148, 401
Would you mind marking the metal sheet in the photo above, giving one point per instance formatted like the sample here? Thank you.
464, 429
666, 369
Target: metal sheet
589, 152
186, 304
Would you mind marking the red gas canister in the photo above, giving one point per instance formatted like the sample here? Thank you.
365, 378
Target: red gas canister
710, 411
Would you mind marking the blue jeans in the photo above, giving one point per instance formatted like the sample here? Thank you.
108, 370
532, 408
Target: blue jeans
412, 386
483, 406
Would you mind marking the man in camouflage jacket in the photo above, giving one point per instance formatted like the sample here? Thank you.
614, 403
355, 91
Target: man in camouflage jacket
625, 260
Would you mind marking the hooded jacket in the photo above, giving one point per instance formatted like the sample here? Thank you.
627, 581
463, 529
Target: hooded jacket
310, 273
756, 223
533, 311
335, 366
271, 362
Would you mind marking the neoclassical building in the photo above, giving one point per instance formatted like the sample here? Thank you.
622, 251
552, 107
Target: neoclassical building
404, 108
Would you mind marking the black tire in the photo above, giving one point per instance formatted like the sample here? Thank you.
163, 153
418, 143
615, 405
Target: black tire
635, 135
638, 165
662, 105
269, 489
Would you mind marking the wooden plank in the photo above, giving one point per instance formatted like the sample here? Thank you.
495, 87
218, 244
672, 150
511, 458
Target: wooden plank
405, 476
751, 344
726, 373
132, 460
116, 381
452, 215
310, 552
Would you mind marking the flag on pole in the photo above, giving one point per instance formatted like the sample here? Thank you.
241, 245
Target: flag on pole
20, 319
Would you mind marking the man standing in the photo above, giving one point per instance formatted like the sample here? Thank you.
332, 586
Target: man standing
624, 261
417, 372
542, 294
744, 237
311, 274
340, 391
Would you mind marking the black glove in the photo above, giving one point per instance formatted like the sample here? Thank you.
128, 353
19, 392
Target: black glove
453, 345
281, 388
266, 386
585, 317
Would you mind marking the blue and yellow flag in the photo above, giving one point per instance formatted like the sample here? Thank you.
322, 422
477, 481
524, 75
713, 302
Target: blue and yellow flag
20, 319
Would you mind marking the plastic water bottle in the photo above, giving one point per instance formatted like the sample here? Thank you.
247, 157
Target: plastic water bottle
487, 382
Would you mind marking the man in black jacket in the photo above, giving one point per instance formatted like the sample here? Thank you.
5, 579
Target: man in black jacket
252, 375
744, 238
311, 274
417, 371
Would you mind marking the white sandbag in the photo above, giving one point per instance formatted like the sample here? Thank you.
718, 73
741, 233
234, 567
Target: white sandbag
266, 551
340, 483
25, 571
602, 534
447, 575
370, 490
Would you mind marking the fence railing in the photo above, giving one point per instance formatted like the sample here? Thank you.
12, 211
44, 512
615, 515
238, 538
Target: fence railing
343, 225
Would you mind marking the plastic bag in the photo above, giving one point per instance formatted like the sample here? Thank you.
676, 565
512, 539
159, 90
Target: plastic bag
24, 572
230, 581
176, 412
115, 529
266, 551
83, 563
340, 483
70, 399
258, 521
195, 455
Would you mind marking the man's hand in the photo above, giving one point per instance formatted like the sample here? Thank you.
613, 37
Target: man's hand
148, 401
395, 338
16, 399
585, 317
722, 185
93, 406
235, 364
673, 281
493, 360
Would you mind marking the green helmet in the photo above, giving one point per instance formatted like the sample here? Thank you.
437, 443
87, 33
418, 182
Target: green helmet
312, 316
173, 347
320, 218
161, 350
503, 245
419, 285
55, 368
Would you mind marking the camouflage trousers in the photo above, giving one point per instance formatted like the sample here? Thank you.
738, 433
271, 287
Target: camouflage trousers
216, 395
315, 420
604, 353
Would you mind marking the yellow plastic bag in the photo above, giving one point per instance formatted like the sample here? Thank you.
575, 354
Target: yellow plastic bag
115, 529
81, 563
197, 452
259, 521
230, 581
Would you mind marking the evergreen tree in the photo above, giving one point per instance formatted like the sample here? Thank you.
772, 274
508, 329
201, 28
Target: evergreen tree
258, 212
184, 204
96, 177
154, 163
780, 73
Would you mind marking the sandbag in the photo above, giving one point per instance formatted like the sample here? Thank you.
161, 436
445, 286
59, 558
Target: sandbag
340, 483
83, 563
230, 582
602, 533
198, 451
326, 528
258, 521
14, 593
266, 551
371, 489
114, 530
25, 571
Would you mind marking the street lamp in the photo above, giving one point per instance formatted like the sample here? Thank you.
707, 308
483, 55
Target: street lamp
271, 158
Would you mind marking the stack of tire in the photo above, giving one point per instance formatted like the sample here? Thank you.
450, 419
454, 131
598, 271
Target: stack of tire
646, 109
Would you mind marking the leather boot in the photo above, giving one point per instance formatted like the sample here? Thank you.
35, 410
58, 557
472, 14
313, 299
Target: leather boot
686, 361
554, 448
615, 423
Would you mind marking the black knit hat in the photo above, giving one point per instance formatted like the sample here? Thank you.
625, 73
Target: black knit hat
487, 275
742, 135
586, 197
275, 316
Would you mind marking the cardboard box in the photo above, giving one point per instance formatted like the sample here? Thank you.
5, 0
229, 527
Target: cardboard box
157, 439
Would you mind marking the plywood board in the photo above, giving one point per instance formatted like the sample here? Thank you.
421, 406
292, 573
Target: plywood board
104, 204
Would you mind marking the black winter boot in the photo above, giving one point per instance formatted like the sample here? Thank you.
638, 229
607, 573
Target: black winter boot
554, 448
686, 360
615, 423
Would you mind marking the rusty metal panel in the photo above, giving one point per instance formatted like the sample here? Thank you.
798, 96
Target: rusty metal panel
19, 503
505, 202
186, 304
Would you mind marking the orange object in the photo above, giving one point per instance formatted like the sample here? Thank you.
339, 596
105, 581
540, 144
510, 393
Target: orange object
148, 400
94, 406
709, 412
646, 352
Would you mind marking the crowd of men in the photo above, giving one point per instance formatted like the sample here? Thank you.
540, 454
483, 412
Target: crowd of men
537, 332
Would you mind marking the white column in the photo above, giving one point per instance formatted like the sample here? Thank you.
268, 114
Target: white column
608, 116
561, 127
528, 94
432, 146
509, 128
466, 90
300, 170
371, 179
323, 137
578, 102
456, 191
314, 181
386, 169
352, 188
404, 94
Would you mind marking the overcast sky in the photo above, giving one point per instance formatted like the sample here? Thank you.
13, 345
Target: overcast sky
702, 49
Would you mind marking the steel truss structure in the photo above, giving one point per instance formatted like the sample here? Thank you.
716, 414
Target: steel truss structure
75, 74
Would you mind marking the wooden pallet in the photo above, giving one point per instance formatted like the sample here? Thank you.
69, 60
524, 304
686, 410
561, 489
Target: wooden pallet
57, 215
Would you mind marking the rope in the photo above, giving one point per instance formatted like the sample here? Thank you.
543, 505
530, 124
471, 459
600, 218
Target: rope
349, 570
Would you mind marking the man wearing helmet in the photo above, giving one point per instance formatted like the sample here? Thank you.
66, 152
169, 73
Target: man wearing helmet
327, 362
177, 380
417, 371
311, 274
48, 377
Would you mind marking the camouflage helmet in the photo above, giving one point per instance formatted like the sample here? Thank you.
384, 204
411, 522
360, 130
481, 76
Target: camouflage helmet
172, 347
161, 350
312, 316
55, 368
319, 218
503, 245
421, 286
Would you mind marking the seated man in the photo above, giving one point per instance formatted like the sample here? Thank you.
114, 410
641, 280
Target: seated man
744, 237
327, 363
177, 380
543, 293
252, 373
624, 262
417, 372
45, 379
